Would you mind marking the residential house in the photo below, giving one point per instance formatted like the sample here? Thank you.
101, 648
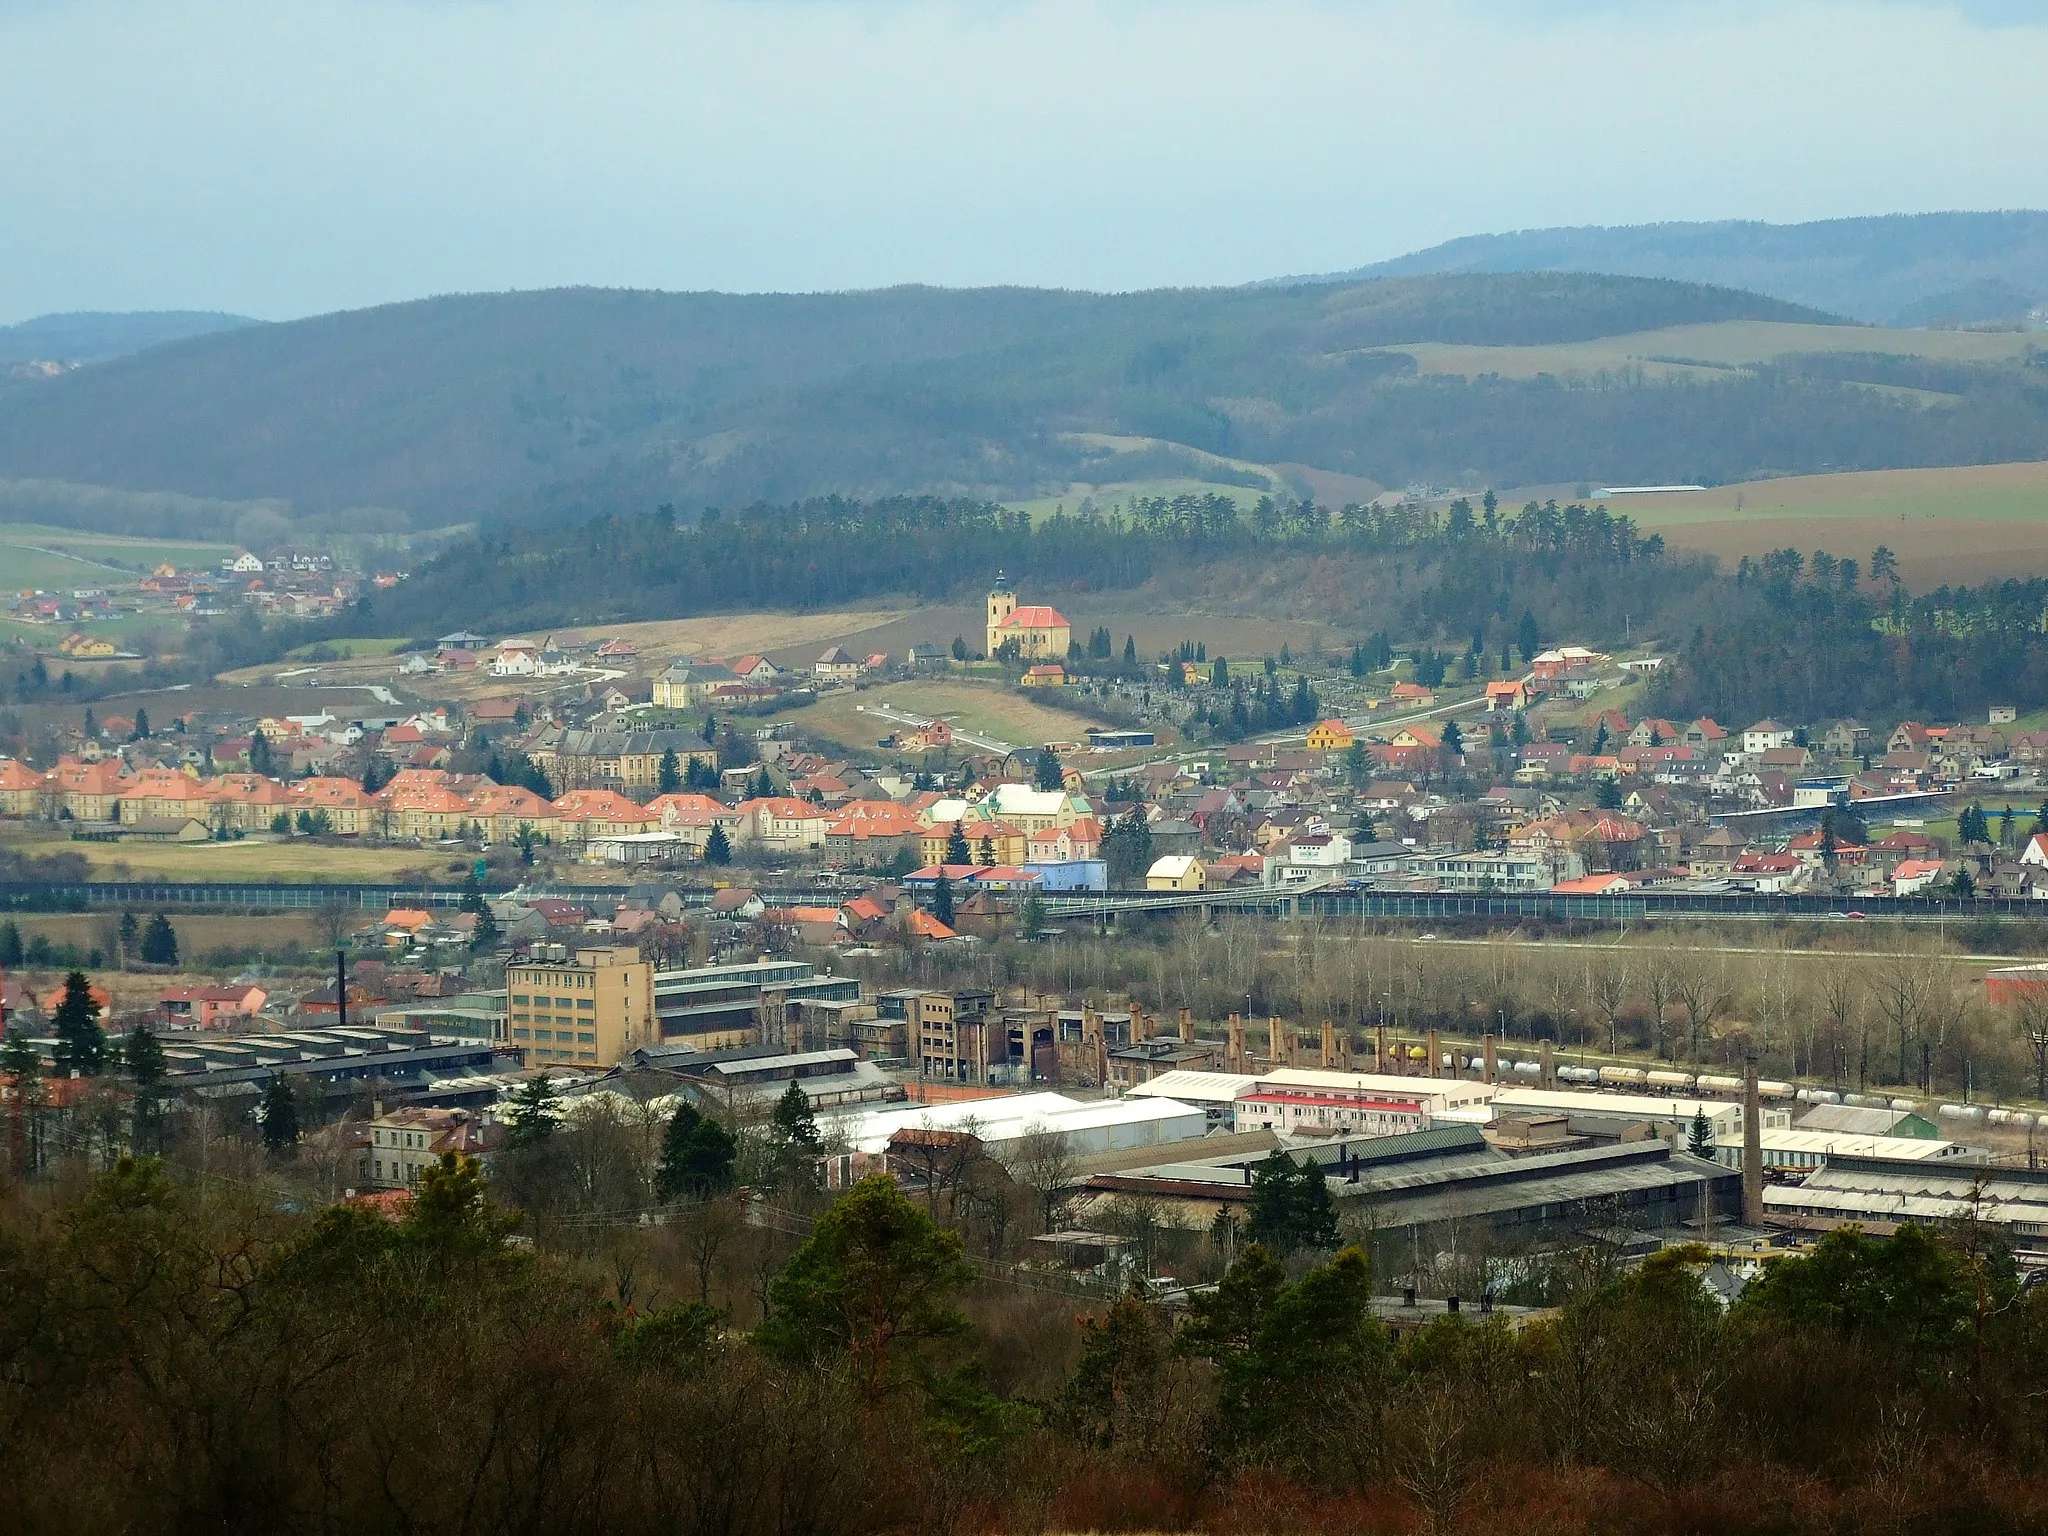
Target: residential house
1175, 872
1565, 662
1330, 736
778, 824
1912, 876
210, 1007
407, 1141
687, 683
837, 665
1765, 736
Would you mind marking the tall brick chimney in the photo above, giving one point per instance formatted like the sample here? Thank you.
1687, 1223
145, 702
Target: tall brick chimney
1752, 1148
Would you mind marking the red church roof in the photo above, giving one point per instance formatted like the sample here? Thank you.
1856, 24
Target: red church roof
1034, 618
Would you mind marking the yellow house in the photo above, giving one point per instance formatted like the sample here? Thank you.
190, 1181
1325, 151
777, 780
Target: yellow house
1046, 675
1330, 736
1176, 872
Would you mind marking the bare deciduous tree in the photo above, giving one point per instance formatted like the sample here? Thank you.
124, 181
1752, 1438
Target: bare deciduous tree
1042, 1161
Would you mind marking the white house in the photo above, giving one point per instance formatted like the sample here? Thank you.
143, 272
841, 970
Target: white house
1765, 736
1912, 876
516, 658
245, 564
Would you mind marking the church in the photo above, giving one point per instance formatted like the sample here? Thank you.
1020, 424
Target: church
1037, 633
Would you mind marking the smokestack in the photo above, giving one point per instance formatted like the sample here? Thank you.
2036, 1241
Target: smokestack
1379, 1049
1187, 1025
1549, 1076
1329, 1045
341, 988
1436, 1054
1344, 1051
1137, 1025
1233, 1055
1752, 1148
1492, 1073
1273, 1039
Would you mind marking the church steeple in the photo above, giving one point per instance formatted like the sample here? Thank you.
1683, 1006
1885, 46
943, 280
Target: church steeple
1002, 602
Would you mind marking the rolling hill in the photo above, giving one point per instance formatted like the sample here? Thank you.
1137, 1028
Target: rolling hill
563, 404
534, 404
1899, 269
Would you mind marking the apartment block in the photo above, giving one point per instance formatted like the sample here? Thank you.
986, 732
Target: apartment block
585, 1011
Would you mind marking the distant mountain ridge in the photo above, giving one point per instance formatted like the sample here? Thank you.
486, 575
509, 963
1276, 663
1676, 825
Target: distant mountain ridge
1895, 269
90, 336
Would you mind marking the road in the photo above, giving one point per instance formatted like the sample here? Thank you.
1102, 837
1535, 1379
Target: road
1278, 738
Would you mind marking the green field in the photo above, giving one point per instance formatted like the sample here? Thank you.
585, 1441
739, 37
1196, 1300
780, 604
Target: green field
1705, 350
289, 862
348, 650
40, 557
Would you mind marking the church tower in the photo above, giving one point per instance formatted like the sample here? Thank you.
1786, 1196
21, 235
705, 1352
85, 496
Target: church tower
1002, 602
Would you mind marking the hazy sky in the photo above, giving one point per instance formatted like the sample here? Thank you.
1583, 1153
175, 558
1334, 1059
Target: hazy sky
281, 157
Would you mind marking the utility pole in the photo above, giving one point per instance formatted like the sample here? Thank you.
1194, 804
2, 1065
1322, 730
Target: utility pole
341, 986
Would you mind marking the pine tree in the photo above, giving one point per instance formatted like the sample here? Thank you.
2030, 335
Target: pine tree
10, 945
942, 901
957, 851
259, 753
534, 1113
485, 938
669, 779
279, 1110
148, 1068
1699, 1138
1454, 740
1047, 774
717, 847
797, 1143
130, 934
81, 1043
1526, 637
160, 942
697, 1156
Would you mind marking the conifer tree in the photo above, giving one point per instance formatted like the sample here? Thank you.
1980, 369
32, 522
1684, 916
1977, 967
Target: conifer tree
81, 1043
280, 1111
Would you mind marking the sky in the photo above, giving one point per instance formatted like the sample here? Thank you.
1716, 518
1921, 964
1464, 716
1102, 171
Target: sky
285, 157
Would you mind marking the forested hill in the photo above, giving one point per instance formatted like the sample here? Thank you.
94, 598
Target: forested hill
578, 401
90, 337
1899, 269
1789, 636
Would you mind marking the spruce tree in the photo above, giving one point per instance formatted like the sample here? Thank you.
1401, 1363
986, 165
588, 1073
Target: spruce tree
535, 1110
280, 1112
669, 779
797, 1143
1047, 774
957, 851
717, 847
697, 1156
942, 901
160, 942
1699, 1137
10, 945
81, 1043
148, 1068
